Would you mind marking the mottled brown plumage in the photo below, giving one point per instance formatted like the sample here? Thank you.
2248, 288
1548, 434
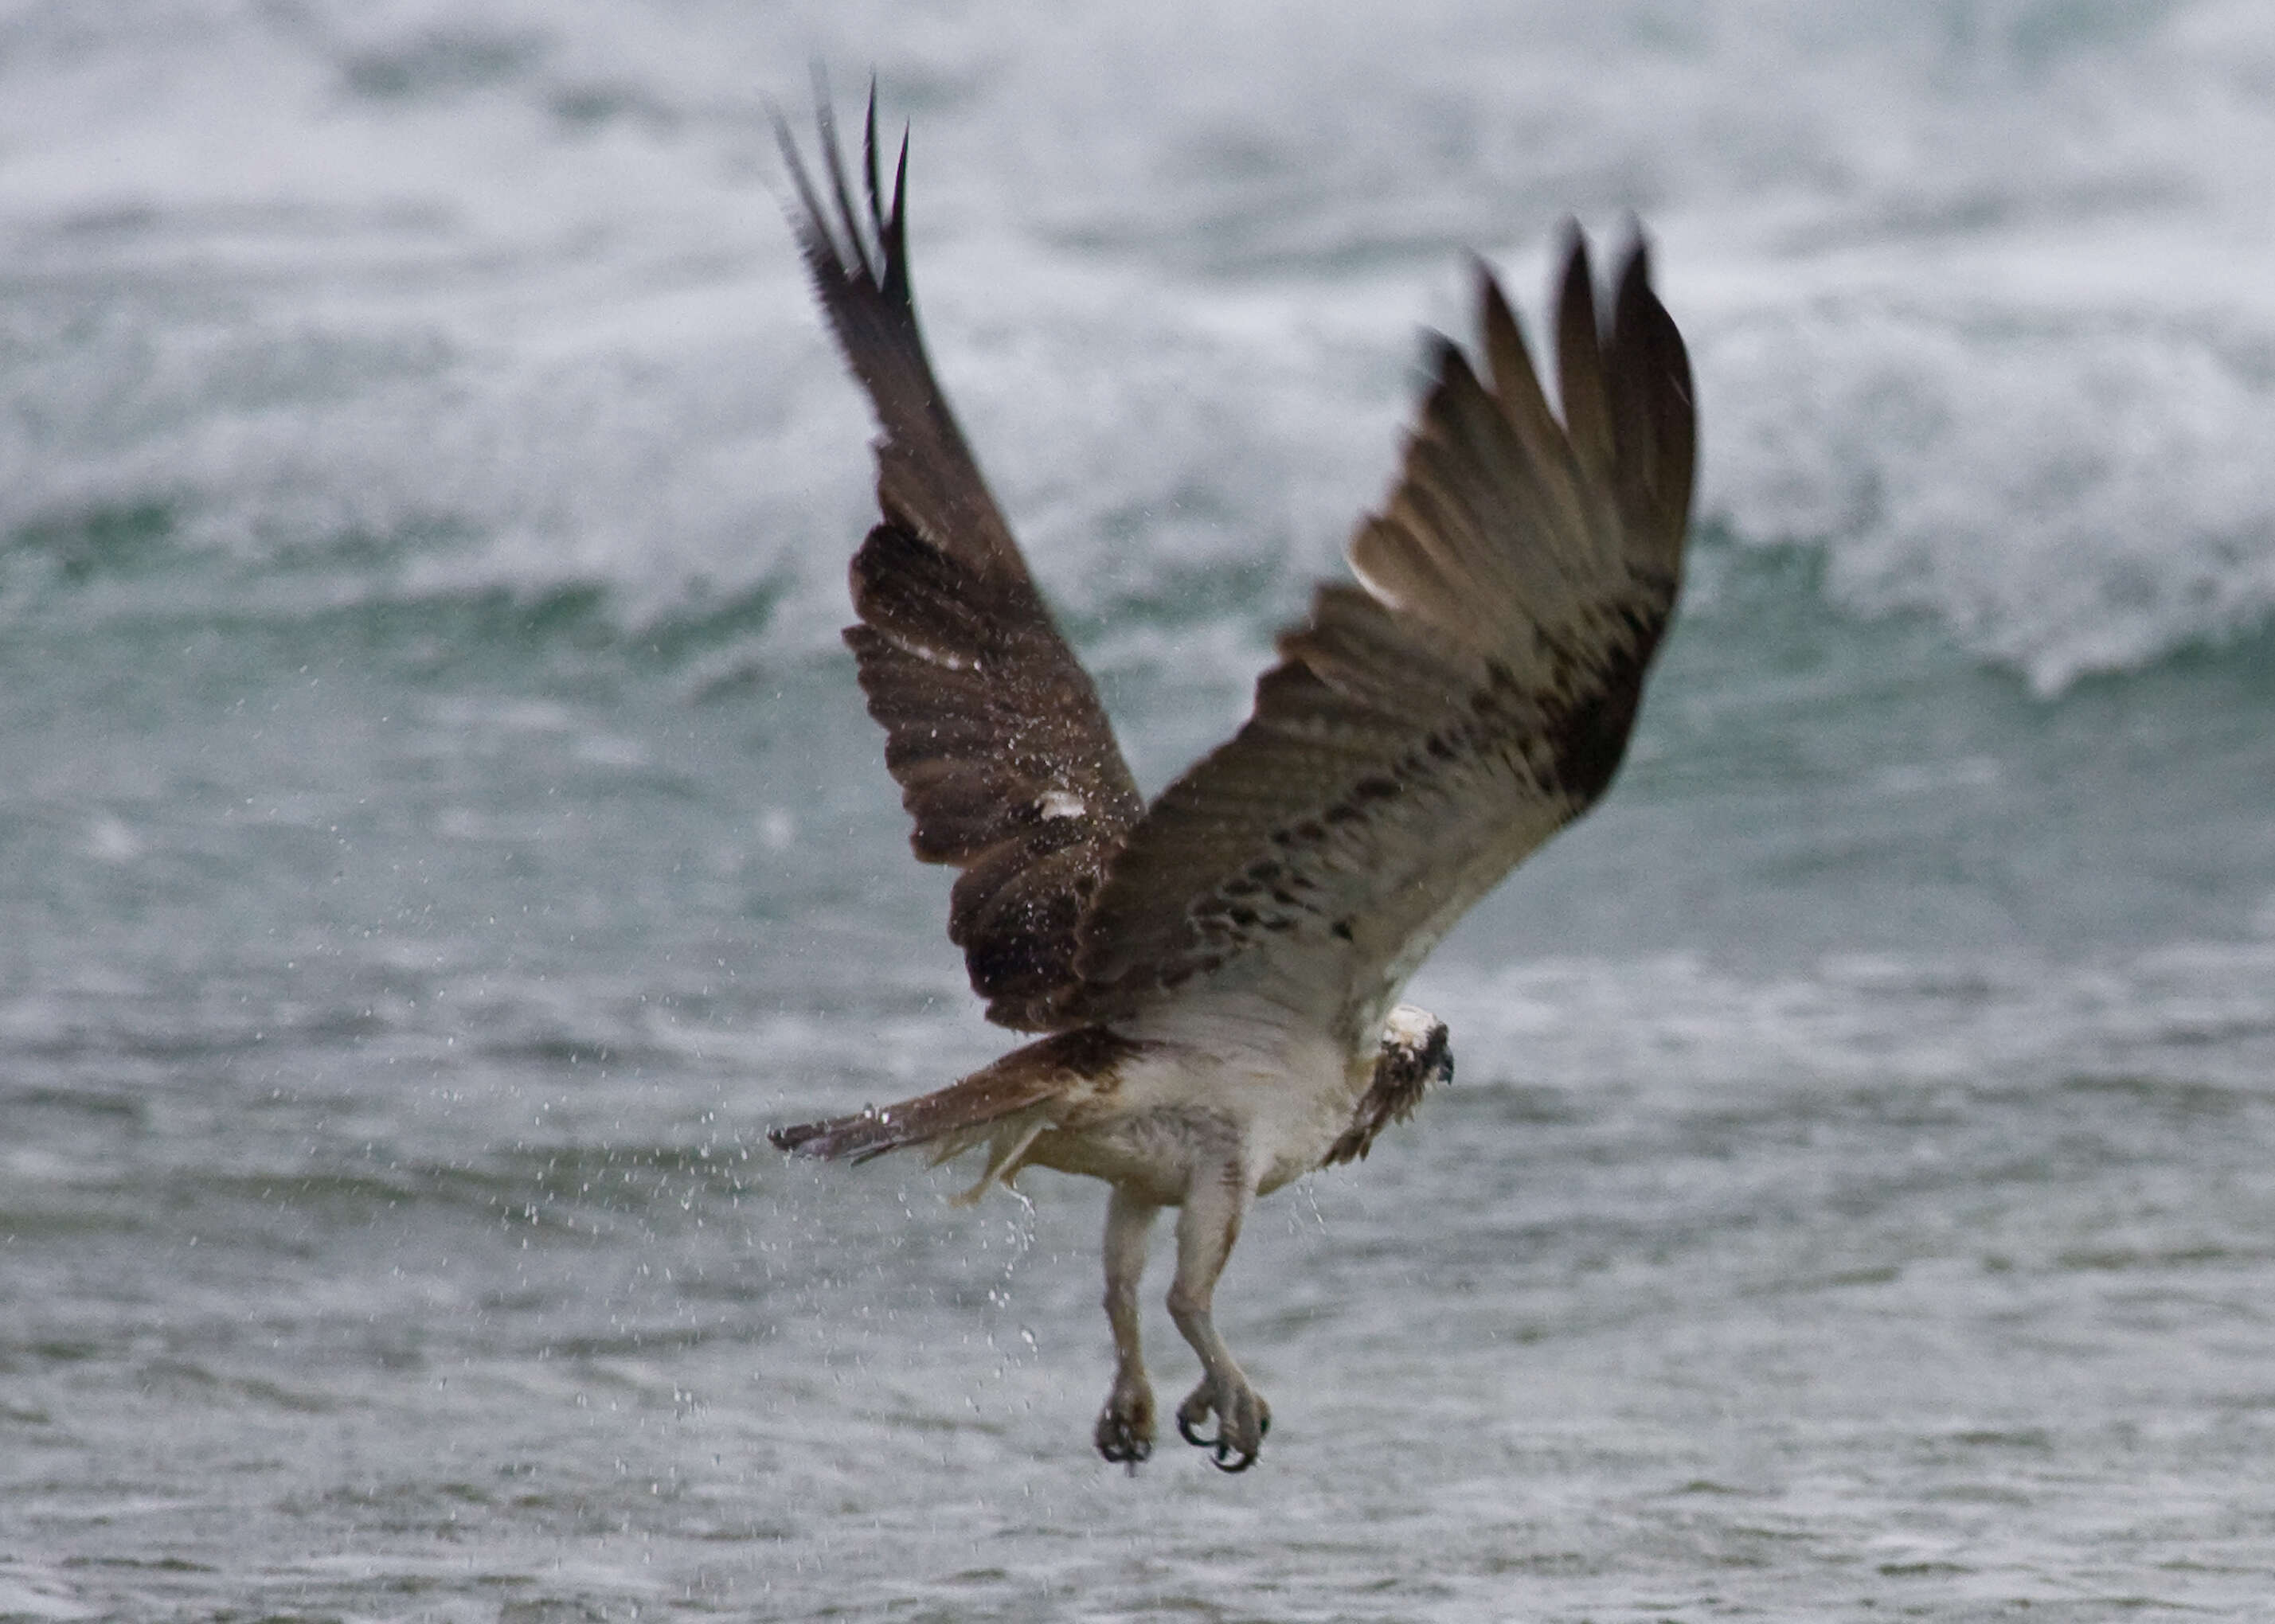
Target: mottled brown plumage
993, 730
1425, 730
1219, 971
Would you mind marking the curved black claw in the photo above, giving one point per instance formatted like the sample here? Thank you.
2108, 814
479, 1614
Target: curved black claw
1227, 1451
1121, 1442
1228, 1459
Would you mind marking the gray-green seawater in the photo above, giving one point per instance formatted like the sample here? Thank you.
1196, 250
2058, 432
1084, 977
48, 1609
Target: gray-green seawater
439, 834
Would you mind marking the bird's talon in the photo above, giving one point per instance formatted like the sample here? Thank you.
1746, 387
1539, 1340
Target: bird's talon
1124, 1448
1243, 1418
1125, 1435
1227, 1460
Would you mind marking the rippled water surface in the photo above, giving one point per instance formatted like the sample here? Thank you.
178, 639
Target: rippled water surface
439, 833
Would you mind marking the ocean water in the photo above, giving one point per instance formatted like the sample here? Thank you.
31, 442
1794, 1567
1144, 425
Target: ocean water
439, 833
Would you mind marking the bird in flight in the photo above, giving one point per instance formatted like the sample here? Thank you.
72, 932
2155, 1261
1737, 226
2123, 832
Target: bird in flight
1215, 975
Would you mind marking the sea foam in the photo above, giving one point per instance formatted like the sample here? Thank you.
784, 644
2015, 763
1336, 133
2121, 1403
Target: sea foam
495, 297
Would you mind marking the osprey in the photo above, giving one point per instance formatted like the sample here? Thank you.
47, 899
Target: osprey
1217, 974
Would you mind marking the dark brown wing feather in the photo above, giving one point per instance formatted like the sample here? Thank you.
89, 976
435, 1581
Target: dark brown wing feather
1420, 736
1005, 757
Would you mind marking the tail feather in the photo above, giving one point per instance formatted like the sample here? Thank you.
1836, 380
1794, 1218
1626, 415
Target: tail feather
951, 1117
946, 1114
869, 1133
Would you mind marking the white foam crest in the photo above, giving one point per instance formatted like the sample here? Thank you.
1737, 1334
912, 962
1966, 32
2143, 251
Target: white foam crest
497, 288
2069, 492
2193, 1012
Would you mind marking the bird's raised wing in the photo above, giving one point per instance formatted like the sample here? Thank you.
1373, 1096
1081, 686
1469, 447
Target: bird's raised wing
1426, 728
995, 732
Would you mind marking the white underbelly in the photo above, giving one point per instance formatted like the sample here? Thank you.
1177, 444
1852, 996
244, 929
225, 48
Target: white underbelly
1225, 1087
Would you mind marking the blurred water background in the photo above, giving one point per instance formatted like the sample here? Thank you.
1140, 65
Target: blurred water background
439, 833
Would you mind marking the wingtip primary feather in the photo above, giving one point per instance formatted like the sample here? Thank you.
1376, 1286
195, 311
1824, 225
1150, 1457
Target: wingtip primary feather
1580, 362
1638, 264
1651, 394
840, 244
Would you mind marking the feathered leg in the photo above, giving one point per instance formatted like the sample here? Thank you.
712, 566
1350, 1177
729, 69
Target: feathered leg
1206, 1229
1125, 1427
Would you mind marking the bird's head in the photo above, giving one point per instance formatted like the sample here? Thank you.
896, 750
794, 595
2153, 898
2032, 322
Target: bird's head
1418, 1048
